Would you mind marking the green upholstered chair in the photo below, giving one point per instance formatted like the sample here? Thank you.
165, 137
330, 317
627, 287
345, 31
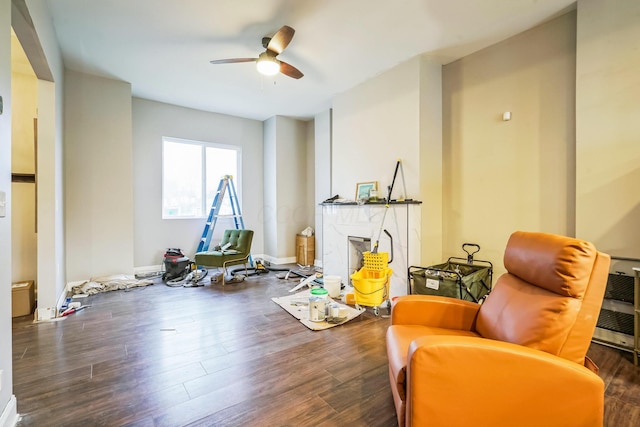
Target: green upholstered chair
234, 249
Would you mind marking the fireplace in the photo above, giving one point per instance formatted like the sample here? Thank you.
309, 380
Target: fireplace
350, 229
357, 246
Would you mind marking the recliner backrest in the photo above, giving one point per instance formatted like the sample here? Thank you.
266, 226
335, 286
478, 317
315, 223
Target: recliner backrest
550, 297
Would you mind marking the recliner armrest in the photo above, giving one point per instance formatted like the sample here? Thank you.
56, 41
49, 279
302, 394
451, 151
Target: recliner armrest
503, 383
436, 311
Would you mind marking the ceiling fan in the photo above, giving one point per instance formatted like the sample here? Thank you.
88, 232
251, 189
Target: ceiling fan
266, 62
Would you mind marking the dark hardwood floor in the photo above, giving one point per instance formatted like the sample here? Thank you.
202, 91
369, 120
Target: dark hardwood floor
223, 356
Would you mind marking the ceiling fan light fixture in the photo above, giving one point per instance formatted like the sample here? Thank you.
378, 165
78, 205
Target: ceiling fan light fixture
267, 65
267, 62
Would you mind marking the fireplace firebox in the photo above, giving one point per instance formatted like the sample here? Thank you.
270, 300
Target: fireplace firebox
357, 246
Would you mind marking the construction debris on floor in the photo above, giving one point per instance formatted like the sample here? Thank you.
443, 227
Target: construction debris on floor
109, 283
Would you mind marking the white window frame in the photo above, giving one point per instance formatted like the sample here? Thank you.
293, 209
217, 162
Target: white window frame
206, 207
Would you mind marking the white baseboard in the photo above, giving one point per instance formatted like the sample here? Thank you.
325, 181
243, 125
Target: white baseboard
44, 314
287, 260
273, 260
9, 416
148, 269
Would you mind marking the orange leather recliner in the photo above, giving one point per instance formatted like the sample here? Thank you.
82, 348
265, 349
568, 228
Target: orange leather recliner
519, 359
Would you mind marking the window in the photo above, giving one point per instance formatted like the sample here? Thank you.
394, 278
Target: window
191, 173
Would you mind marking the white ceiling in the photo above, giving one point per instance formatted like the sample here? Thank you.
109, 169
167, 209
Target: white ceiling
163, 47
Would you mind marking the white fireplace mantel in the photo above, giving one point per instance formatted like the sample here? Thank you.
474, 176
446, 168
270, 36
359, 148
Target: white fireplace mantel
402, 221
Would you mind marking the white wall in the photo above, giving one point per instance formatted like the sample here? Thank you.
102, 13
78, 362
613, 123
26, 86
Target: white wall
608, 125
50, 205
310, 176
50, 209
153, 120
98, 177
7, 400
286, 185
270, 187
322, 172
394, 116
374, 125
292, 208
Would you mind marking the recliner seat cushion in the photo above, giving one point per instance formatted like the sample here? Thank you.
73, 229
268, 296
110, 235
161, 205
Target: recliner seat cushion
401, 336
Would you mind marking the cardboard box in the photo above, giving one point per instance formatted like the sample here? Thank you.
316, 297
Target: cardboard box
22, 298
305, 249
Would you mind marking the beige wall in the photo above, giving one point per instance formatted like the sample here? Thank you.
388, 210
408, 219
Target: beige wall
608, 125
24, 109
502, 176
429, 166
24, 87
98, 177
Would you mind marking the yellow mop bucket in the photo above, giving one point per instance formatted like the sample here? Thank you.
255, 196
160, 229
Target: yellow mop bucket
371, 286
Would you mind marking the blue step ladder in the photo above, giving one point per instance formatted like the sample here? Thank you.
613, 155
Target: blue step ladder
226, 183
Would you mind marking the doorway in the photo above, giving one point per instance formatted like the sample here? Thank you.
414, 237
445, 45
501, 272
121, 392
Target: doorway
24, 109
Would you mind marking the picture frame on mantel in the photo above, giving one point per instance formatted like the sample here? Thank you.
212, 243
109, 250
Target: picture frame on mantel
363, 189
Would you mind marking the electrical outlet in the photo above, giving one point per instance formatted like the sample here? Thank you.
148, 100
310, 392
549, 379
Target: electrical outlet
47, 313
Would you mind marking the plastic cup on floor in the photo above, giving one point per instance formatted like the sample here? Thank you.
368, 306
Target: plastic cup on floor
332, 284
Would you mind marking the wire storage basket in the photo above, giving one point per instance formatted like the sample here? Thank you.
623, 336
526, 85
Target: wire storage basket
462, 278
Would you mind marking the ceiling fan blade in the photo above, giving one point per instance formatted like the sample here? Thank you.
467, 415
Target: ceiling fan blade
290, 70
281, 39
232, 60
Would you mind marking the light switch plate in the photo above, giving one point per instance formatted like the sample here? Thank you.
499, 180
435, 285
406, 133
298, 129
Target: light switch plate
3, 204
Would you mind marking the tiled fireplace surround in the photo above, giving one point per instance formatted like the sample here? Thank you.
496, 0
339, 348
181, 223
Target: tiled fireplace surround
402, 221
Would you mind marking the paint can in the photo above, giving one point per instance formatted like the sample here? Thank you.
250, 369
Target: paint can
317, 307
320, 293
334, 311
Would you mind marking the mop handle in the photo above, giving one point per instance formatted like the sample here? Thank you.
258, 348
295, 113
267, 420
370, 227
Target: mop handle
386, 207
375, 245
393, 181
